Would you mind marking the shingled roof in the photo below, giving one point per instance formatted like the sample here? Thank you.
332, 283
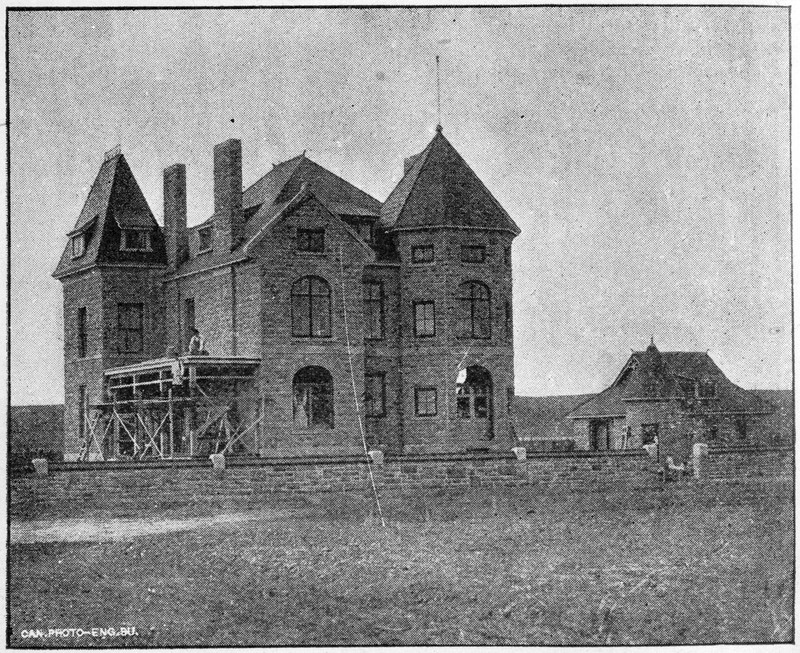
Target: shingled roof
115, 202
441, 189
284, 181
652, 375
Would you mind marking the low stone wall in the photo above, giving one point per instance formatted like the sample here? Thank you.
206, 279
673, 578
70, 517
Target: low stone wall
70, 488
776, 463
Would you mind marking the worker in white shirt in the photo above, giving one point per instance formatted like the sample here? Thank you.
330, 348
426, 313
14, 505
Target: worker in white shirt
197, 345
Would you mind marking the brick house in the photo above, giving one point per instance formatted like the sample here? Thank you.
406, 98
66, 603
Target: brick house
676, 397
324, 313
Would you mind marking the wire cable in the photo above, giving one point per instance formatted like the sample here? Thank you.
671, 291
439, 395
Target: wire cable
355, 392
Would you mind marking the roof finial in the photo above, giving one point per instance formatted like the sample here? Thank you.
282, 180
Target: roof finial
651, 340
438, 99
114, 151
304, 153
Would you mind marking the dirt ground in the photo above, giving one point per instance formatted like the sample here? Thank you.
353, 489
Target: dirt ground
679, 566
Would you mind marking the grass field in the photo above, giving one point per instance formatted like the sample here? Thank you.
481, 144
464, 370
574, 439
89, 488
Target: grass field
676, 565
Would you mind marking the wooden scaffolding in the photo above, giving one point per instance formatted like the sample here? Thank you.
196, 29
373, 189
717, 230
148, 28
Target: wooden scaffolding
181, 407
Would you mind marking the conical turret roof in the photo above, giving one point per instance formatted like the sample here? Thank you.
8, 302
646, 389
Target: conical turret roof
440, 189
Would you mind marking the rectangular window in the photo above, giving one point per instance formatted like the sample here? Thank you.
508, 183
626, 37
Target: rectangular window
741, 428
206, 238
424, 320
422, 254
130, 328
473, 253
425, 402
311, 240
375, 394
507, 255
373, 310
82, 408
134, 240
83, 337
649, 433
189, 314
78, 245
509, 322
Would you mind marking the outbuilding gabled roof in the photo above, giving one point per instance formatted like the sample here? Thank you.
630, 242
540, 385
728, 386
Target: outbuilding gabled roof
440, 189
115, 202
652, 375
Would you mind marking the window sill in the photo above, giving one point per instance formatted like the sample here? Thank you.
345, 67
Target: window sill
304, 253
205, 251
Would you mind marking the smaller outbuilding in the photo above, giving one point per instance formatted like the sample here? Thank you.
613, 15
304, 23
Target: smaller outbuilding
673, 399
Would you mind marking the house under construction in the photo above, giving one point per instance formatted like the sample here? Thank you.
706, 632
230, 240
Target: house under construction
331, 320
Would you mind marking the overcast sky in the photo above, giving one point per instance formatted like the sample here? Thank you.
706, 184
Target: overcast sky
644, 152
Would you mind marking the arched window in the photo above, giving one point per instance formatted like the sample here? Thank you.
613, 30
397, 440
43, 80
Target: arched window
474, 314
311, 308
474, 395
312, 389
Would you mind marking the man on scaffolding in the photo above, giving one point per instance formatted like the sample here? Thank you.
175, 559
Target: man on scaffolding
197, 345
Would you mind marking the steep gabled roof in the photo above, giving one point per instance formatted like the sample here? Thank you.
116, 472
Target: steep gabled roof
115, 197
283, 182
305, 194
652, 375
652, 378
440, 189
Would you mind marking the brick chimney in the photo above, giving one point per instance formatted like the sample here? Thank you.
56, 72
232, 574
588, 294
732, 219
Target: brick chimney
228, 214
177, 240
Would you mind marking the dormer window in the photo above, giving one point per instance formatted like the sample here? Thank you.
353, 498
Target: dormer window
78, 245
311, 240
365, 231
205, 235
135, 240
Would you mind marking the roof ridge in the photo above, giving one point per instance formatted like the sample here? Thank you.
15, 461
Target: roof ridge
419, 162
330, 172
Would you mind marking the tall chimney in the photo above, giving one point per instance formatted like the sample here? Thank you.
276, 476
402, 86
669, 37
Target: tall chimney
175, 235
228, 214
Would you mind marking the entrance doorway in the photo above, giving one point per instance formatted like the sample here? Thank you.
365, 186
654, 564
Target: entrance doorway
599, 435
